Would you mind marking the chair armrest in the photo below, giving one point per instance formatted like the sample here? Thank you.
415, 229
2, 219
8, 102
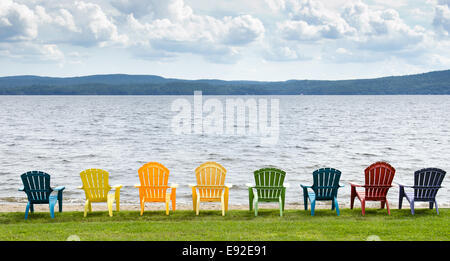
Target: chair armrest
22, 189
80, 187
249, 185
287, 185
355, 185
137, 185
192, 185
173, 185
119, 186
229, 185
60, 188
304, 186
341, 186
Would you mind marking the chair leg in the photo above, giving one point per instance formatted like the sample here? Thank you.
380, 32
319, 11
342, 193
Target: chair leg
223, 205
225, 198
400, 197
387, 207
117, 198
51, 206
332, 204
60, 200
305, 199
352, 197
382, 204
197, 208
174, 198
90, 207
32, 207
281, 207
142, 206
167, 203
363, 207
306, 202
313, 206
27, 209
431, 205
337, 207
110, 202
250, 199
437, 209
87, 206
411, 205
256, 207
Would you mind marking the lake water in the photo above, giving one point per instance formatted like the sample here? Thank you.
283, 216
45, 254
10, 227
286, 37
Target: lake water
63, 135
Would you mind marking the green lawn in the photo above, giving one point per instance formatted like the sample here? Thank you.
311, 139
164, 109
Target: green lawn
236, 225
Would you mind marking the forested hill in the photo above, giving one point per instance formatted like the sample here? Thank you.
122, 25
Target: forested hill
437, 82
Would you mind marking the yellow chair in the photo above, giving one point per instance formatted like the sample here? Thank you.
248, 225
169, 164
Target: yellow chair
96, 187
153, 188
210, 186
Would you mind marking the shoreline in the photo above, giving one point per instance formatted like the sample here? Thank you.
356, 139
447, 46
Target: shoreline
20, 207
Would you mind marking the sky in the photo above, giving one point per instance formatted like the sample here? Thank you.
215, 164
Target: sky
265, 40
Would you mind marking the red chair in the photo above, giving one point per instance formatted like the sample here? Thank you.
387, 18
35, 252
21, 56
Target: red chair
379, 177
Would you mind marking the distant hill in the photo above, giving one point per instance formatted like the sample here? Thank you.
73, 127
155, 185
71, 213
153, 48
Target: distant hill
437, 82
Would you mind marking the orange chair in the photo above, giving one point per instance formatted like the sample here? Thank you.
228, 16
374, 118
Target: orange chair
210, 186
153, 188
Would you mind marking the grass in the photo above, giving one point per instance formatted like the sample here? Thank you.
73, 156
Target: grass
237, 225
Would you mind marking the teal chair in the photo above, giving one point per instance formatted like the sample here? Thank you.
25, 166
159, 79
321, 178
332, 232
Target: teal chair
36, 184
325, 187
269, 188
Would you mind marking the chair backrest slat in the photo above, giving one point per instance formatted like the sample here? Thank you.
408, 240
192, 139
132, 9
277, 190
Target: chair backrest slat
378, 179
326, 182
37, 186
154, 178
95, 184
210, 174
269, 177
427, 182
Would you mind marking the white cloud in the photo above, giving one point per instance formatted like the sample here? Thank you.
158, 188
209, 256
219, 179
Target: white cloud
183, 31
316, 31
17, 22
442, 18
34, 53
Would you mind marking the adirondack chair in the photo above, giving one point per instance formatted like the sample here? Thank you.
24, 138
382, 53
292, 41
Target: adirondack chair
153, 188
210, 186
379, 178
268, 188
96, 188
325, 187
427, 182
36, 184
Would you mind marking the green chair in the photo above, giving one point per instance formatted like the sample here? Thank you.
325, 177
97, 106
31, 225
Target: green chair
325, 187
268, 188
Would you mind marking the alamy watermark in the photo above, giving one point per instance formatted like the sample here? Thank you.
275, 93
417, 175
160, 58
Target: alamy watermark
249, 117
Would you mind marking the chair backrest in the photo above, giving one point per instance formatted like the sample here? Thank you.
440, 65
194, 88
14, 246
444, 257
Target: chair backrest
95, 184
210, 174
36, 185
326, 183
427, 182
154, 178
268, 179
379, 178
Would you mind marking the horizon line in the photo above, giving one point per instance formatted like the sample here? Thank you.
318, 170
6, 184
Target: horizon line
211, 79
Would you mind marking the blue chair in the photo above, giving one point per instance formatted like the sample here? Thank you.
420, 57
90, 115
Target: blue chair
427, 182
325, 187
36, 184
